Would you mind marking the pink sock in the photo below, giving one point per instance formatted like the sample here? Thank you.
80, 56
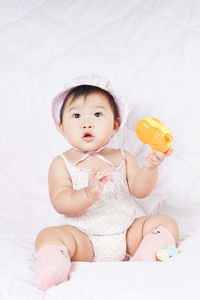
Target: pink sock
157, 239
52, 266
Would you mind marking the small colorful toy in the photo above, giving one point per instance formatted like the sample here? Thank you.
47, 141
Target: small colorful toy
151, 131
165, 254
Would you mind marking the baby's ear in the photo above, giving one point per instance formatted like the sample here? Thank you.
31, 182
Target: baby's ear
116, 125
60, 128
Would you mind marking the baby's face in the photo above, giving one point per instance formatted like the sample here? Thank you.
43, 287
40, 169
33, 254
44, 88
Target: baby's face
88, 124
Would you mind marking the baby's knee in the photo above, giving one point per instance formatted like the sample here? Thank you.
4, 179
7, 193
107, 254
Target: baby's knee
164, 220
46, 232
44, 236
56, 235
172, 226
169, 222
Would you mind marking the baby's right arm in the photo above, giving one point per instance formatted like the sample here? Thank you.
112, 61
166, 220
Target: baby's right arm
67, 200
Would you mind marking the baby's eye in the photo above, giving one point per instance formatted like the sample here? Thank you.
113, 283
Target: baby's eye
98, 114
76, 116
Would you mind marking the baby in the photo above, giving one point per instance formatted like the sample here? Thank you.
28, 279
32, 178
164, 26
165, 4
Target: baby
93, 187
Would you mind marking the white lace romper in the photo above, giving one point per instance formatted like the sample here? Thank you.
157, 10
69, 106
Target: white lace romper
108, 219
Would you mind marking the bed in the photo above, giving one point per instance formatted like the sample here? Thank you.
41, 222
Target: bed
149, 50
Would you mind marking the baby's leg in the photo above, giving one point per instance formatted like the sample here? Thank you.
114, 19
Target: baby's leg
148, 234
55, 248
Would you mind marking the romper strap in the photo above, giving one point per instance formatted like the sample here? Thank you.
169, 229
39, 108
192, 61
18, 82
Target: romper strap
122, 152
96, 153
65, 160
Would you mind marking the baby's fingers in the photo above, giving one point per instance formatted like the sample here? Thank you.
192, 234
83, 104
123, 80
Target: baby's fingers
94, 174
157, 156
106, 178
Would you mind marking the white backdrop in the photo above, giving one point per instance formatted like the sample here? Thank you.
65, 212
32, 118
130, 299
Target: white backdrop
149, 50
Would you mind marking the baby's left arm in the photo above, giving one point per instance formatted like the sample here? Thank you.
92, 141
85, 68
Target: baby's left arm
142, 181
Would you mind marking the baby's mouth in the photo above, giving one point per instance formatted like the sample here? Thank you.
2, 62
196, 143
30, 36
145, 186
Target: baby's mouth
88, 137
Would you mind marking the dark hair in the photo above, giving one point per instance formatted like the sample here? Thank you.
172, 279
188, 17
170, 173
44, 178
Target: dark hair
85, 90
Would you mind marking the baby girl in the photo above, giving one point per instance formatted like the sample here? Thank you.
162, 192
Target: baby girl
93, 187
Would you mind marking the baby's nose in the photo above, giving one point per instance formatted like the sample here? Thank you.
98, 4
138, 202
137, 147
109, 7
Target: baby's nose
87, 125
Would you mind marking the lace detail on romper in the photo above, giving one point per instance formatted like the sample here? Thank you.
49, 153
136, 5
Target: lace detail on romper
116, 209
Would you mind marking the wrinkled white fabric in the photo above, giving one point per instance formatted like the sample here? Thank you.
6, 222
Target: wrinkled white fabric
149, 50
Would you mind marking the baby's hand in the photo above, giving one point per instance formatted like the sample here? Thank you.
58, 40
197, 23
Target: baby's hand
155, 158
96, 183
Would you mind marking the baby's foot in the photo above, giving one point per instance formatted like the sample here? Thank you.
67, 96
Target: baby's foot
52, 266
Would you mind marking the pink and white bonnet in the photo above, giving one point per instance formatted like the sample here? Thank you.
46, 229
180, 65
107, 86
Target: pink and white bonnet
94, 80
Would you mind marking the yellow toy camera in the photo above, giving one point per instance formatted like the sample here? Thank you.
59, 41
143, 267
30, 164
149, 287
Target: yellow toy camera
151, 131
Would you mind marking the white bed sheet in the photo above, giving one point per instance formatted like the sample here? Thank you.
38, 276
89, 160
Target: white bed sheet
150, 52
